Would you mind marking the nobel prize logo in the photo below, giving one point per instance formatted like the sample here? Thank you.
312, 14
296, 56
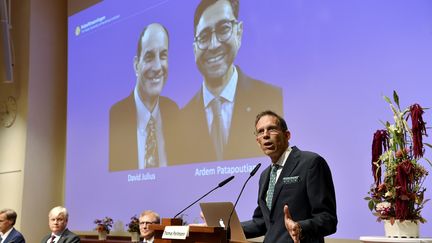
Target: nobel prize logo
77, 31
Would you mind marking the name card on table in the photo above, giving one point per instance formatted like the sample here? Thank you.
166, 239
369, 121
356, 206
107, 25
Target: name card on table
176, 232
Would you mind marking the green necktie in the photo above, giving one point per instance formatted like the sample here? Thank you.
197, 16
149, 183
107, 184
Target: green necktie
271, 187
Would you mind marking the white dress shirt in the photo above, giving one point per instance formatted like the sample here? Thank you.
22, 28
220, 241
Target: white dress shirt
151, 240
143, 117
227, 106
56, 239
281, 161
5, 235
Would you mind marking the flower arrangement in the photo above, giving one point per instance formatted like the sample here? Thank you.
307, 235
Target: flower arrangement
133, 225
104, 225
396, 152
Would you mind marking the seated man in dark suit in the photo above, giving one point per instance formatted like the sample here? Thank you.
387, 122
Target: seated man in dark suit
8, 234
141, 125
57, 221
216, 119
296, 201
147, 218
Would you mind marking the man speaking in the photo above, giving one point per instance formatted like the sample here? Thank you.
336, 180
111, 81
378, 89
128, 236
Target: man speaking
296, 195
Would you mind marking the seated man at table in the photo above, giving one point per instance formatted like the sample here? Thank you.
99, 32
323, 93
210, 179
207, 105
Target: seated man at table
147, 218
8, 233
57, 221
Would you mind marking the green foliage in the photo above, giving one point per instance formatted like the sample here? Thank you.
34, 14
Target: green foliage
133, 225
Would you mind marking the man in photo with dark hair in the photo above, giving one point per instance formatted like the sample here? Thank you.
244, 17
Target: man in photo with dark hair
296, 195
141, 134
8, 233
217, 116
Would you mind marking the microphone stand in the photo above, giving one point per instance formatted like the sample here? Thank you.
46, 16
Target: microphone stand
219, 185
253, 172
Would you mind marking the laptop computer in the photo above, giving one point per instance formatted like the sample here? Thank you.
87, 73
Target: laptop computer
217, 214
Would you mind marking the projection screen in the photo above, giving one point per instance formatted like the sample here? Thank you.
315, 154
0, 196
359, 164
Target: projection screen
329, 64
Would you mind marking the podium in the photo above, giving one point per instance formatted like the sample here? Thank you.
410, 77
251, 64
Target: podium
377, 239
201, 234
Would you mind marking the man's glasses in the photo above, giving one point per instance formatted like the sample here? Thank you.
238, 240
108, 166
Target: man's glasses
223, 31
146, 223
269, 130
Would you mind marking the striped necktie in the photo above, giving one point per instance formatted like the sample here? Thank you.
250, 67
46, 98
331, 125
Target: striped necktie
271, 186
52, 239
151, 153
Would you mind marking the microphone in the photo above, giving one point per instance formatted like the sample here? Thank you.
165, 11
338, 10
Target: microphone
221, 184
252, 173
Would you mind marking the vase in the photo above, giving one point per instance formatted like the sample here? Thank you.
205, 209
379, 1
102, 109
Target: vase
401, 229
102, 235
135, 237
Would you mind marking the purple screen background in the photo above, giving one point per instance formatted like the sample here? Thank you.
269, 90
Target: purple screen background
333, 59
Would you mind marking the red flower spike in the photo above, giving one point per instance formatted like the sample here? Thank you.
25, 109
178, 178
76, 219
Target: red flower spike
418, 129
379, 145
404, 178
401, 209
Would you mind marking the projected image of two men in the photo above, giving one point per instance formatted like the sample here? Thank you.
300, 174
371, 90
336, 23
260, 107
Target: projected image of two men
145, 127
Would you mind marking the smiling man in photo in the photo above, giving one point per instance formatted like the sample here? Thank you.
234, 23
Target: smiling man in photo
220, 112
140, 122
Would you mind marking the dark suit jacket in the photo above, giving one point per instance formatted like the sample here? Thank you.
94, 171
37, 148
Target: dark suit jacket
252, 96
123, 154
306, 185
67, 237
14, 237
